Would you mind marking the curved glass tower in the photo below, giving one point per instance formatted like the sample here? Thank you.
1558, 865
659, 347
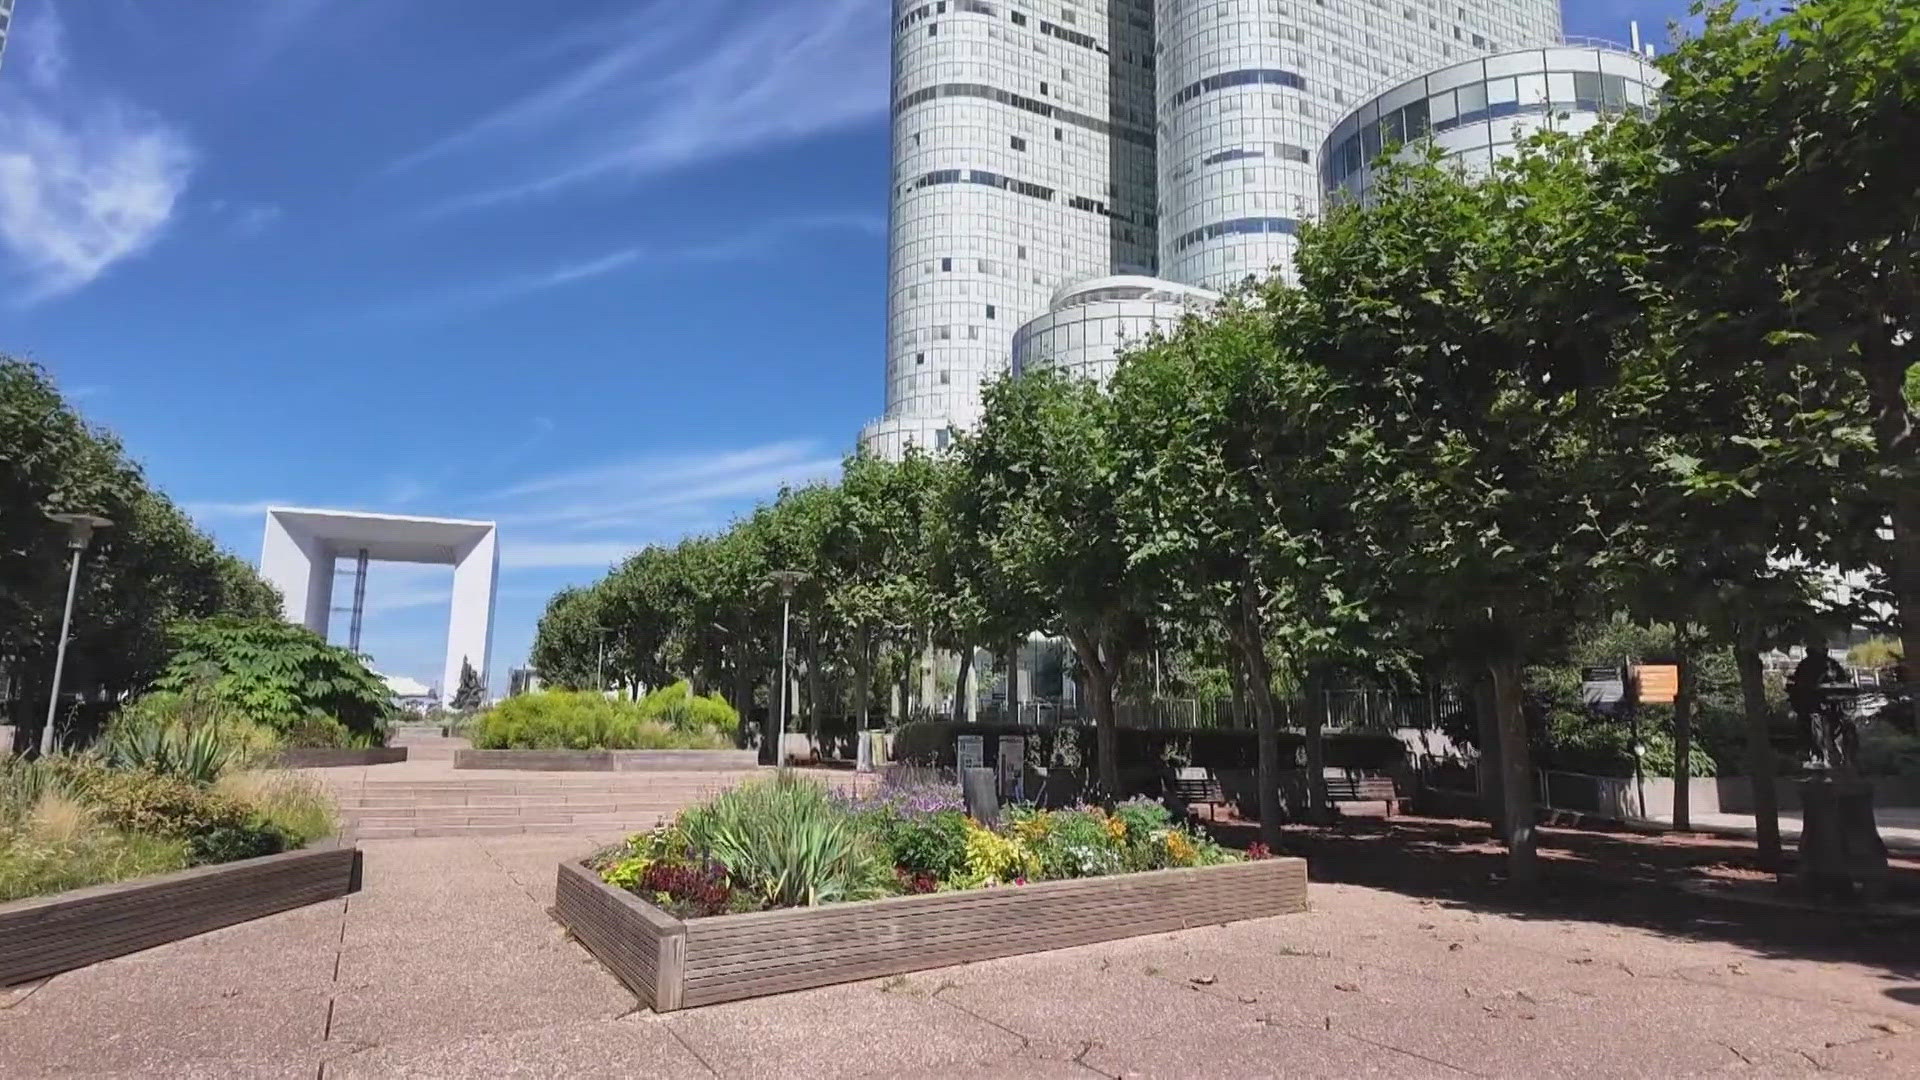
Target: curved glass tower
1088, 324
1023, 155
1042, 143
1247, 91
1476, 111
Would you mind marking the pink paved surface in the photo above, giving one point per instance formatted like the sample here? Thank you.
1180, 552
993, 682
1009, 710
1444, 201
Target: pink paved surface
448, 965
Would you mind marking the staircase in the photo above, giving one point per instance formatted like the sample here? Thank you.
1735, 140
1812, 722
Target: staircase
486, 805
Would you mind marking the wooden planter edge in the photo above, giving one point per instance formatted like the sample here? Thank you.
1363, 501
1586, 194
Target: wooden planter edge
671, 963
46, 935
329, 758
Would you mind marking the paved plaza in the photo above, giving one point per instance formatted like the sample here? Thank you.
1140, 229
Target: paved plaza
449, 965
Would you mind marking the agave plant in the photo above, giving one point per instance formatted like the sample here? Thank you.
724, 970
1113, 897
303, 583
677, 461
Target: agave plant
788, 841
199, 753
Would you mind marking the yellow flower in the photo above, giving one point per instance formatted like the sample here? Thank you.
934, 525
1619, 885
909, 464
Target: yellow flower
1179, 849
1116, 828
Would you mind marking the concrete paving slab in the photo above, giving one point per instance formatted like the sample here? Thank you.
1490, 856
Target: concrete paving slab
598, 1048
247, 998
877, 1028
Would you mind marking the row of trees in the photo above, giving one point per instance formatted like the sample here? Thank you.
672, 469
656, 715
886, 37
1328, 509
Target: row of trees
1668, 369
152, 569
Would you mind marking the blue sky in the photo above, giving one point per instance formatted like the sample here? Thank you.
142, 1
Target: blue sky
607, 271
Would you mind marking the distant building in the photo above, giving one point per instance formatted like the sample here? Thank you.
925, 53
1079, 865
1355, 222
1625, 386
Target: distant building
1087, 324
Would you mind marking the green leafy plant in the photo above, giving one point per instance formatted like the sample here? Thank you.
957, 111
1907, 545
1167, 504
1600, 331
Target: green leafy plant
678, 706
789, 842
297, 805
278, 674
582, 720
931, 845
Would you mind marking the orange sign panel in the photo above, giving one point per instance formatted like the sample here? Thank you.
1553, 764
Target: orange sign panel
1659, 683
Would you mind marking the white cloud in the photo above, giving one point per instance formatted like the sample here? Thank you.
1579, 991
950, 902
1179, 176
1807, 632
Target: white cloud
681, 84
555, 555
216, 511
755, 242
86, 178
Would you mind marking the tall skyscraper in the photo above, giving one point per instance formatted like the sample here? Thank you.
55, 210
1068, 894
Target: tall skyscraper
6, 18
1041, 143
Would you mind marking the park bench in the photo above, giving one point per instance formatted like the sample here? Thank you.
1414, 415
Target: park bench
1199, 787
1346, 787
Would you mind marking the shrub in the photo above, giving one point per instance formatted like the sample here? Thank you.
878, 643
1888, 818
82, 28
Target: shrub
926, 845
318, 731
1071, 843
678, 707
790, 843
277, 673
581, 720
226, 843
191, 733
993, 859
33, 865
150, 803
297, 805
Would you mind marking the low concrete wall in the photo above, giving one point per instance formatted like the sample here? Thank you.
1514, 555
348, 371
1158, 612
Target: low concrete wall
671, 963
1621, 798
335, 758
608, 760
46, 935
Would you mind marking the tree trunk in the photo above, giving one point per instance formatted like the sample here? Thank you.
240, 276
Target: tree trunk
1236, 676
1487, 725
960, 684
1250, 636
1100, 688
1683, 732
1316, 718
1753, 694
814, 697
862, 679
1523, 868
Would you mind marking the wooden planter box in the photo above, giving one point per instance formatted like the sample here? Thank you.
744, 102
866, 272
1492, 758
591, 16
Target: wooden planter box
45, 935
672, 963
608, 760
332, 758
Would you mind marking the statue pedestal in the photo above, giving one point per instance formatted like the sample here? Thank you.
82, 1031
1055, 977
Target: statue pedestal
1841, 854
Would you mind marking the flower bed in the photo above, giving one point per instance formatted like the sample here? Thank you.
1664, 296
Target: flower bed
46, 935
754, 892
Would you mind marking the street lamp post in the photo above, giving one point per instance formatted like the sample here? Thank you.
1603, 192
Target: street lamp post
786, 580
80, 529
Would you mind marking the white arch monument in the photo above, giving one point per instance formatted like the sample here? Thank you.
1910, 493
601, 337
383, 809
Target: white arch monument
301, 547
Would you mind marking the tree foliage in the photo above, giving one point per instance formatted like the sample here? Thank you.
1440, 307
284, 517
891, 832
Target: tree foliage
276, 674
151, 569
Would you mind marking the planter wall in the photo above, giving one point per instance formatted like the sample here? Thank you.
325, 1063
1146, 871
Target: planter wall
672, 963
46, 935
318, 758
608, 760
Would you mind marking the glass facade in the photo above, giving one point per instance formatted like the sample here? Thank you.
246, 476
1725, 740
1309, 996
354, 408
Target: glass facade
1248, 89
1477, 111
1090, 323
1038, 143
1023, 158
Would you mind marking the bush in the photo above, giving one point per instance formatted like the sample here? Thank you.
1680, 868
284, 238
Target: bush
790, 843
191, 733
317, 731
278, 674
150, 803
297, 805
679, 708
930, 845
582, 720
228, 843
33, 865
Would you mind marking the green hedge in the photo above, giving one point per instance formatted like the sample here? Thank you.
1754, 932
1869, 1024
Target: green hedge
932, 743
586, 720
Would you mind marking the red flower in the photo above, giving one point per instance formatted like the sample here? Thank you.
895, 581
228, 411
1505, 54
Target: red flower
1258, 850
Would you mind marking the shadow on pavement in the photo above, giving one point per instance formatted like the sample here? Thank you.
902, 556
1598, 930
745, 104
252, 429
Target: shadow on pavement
1679, 884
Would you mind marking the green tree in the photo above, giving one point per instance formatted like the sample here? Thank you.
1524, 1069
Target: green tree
567, 641
1471, 330
1790, 201
472, 692
1041, 492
